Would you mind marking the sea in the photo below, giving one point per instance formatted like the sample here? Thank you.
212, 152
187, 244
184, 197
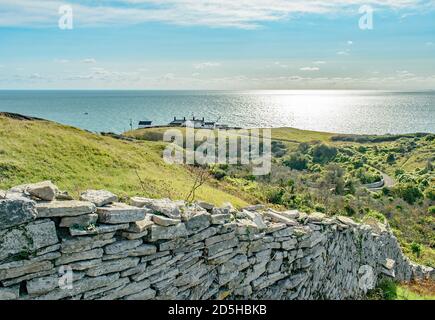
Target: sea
351, 112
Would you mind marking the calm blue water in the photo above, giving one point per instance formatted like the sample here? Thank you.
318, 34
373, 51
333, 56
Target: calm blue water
334, 111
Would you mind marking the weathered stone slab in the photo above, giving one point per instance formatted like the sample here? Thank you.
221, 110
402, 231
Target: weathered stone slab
220, 218
14, 281
28, 238
167, 233
198, 222
274, 227
44, 190
67, 258
84, 265
165, 207
79, 221
70, 245
19, 268
98, 197
289, 244
245, 227
133, 235
347, 221
219, 238
279, 218
205, 205
120, 213
164, 221
63, 196
214, 249
144, 295
291, 214
81, 286
129, 289
256, 207
100, 292
141, 226
99, 229
113, 266
121, 246
256, 218
11, 293
42, 285
64, 208
316, 217
14, 212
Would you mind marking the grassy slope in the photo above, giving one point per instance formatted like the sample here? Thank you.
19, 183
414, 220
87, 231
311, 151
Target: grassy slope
284, 134
76, 160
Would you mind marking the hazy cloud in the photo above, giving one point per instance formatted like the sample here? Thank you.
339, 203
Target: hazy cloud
89, 60
246, 14
309, 69
205, 65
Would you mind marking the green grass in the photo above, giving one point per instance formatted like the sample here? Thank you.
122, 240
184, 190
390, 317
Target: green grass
403, 293
77, 160
283, 134
390, 290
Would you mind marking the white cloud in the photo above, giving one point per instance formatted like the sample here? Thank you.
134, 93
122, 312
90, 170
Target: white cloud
430, 44
61, 61
319, 62
309, 69
281, 65
247, 14
205, 65
350, 42
35, 76
343, 53
89, 60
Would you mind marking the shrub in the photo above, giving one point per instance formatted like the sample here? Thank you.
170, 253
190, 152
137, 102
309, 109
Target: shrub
274, 195
416, 249
376, 215
219, 173
297, 161
430, 194
303, 147
408, 192
323, 153
431, 210
391, 158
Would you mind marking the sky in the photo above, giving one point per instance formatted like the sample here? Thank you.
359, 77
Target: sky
217, 44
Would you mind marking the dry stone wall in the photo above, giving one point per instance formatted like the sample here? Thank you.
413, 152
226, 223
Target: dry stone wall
53, 247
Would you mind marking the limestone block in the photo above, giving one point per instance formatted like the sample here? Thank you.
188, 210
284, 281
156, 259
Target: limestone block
80, 221
167, 233
99, 197
112, 266
64, 208
45, 190
28, 238
120, 213
165, 207
14, 212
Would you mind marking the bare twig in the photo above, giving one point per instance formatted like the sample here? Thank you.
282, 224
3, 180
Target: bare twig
201, 177
142, 184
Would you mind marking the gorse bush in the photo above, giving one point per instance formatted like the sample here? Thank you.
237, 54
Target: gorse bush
323, 153
297, 161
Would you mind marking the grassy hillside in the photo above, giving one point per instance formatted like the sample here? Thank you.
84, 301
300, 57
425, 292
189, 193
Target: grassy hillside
76, 160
